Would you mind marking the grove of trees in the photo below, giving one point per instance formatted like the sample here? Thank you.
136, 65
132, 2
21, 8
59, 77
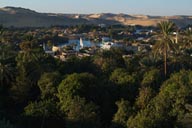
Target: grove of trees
106, 90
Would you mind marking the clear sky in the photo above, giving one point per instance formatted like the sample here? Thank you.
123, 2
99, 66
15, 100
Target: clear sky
149, 7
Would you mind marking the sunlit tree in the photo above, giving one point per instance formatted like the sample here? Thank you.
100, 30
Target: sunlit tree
166, 43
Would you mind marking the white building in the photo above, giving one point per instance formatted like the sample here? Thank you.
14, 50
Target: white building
81, 43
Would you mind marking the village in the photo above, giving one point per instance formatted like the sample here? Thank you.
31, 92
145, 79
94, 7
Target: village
133, 39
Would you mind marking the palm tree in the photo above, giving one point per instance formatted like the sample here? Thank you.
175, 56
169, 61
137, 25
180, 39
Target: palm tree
6, 74
166, 42
6, 65
1, 32
150, 61
187, 39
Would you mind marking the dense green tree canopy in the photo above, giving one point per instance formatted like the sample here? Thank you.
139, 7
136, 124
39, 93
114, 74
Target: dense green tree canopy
112, 88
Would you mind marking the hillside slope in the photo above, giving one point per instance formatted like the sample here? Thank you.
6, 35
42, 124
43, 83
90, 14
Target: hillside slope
20, 17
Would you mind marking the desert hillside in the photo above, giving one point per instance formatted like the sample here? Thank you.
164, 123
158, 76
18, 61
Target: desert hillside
20, 17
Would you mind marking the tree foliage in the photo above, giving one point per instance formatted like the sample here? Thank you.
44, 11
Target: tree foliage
109, 89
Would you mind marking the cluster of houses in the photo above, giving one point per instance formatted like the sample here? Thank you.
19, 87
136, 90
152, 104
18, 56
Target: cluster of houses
86, 44
80, 48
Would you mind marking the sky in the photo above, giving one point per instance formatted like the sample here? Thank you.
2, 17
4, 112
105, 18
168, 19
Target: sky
146, 7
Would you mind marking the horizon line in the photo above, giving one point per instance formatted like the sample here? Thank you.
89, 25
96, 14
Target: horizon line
131, 14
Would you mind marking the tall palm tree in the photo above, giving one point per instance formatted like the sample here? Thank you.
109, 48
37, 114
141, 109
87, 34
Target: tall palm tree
167, 42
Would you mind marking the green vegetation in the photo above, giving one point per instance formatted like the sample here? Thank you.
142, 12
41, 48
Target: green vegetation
166, 42
105, 90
